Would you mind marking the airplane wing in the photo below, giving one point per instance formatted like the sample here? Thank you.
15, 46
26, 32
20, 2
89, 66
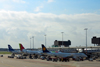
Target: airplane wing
64, 55
79, 55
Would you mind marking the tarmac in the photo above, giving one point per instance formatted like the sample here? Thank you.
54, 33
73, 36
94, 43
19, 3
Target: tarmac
13, 62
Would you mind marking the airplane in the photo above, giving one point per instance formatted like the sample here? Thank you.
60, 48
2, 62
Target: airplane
60, 55
36, 53
92, 53
13, 51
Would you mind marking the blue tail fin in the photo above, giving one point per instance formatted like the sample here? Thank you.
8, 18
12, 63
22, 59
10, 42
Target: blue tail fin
44, 49
10, 48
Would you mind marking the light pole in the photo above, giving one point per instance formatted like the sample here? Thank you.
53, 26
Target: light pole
86, 38
45, 39
33, 41
30, 42
62, 37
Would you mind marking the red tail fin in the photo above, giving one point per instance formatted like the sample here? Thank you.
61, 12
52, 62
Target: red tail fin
21, 46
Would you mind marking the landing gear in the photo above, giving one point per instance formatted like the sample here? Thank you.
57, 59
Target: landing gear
63, 59
35, 56
30, 56
67, 60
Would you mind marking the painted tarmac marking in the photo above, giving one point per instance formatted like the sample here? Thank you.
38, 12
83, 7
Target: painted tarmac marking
51, 63
6, 64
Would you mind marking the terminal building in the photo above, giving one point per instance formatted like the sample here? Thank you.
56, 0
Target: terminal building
62, 43
96, 41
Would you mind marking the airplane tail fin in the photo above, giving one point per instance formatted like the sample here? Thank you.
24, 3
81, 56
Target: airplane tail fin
44, 49
21, 46
10, 48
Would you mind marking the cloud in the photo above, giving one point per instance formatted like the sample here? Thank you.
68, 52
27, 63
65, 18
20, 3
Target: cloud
19, 1
18, 27
49, 1
38, 8
3, 0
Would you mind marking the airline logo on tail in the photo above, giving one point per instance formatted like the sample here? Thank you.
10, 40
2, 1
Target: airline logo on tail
10, 48
44, 49
21, 46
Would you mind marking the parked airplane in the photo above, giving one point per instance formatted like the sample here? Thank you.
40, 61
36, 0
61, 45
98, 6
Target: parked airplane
31, 53
92, 53
13, 51
61, 55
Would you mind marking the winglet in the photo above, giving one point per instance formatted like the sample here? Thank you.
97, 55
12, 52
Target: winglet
10, 48
44, 49
21, 46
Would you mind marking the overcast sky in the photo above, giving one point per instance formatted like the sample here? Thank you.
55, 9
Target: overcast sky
22, 19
